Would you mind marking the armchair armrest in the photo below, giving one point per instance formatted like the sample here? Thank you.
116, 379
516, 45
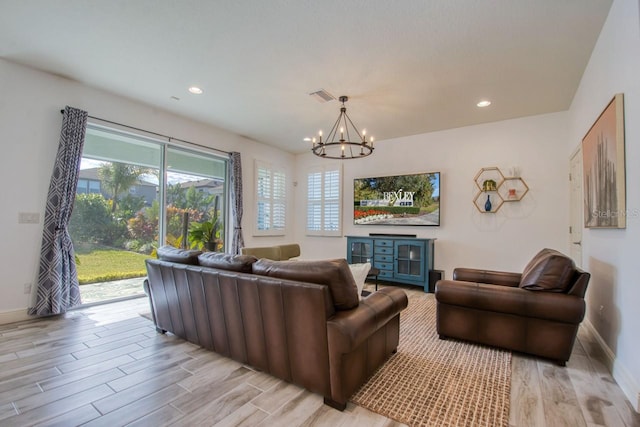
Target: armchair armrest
348, 329
502, 278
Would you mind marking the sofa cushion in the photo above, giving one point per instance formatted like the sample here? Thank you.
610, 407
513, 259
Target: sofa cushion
332, 273
182, 256
549, 271
241, 263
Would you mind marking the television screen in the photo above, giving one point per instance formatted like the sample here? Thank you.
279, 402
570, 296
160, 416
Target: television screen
397, 200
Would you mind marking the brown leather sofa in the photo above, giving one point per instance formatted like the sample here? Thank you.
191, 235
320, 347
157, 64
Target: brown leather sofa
537, 311
301, 321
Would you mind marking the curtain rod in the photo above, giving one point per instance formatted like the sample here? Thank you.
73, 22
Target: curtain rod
170, 138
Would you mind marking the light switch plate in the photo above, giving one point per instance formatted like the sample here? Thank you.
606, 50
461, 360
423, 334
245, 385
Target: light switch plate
28, 218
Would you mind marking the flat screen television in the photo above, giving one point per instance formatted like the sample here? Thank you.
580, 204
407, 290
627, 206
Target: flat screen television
397, 200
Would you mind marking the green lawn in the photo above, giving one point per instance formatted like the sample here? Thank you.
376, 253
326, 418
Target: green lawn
103, 265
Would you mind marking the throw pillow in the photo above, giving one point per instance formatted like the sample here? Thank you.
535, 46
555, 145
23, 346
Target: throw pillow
182, 256
549, 271
359, 272
222, 261
332, 273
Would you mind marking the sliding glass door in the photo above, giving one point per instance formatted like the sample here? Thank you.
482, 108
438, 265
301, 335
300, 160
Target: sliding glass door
135, 194
196, 200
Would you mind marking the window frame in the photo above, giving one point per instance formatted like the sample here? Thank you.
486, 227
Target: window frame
325, 199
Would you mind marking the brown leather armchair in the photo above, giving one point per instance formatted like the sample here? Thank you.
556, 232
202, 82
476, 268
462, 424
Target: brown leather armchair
537, 311
275, 253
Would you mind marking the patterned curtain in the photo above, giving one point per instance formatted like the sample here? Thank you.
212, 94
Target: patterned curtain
58, 288
236, 201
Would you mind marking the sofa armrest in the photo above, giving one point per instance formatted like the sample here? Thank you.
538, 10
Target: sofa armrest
502, 278
348, 329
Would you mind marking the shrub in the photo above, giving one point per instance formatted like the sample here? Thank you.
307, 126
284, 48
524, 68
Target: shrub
91, 219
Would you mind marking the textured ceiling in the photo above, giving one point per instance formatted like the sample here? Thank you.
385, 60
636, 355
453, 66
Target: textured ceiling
408, 66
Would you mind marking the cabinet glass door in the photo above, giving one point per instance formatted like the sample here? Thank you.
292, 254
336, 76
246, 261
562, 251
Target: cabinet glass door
360, 251
410, 259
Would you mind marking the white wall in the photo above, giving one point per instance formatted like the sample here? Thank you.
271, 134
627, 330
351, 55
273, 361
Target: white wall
30, 123
466, 237
612, 255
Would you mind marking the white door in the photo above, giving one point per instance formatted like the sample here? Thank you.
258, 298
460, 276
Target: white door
576, 208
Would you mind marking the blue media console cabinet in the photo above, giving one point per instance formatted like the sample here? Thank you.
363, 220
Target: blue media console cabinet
400, 259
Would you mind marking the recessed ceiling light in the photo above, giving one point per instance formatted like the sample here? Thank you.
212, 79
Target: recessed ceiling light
195, 90
483, 103
307, 139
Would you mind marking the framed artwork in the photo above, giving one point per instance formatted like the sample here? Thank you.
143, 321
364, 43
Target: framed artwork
603, 169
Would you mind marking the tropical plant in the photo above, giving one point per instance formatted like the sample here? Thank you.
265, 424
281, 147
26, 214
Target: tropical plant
206, 234
129, 206
118, 178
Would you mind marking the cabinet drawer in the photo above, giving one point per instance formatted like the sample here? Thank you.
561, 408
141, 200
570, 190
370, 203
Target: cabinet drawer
383, 250
383, 265
384, 258
385, 274
383, 243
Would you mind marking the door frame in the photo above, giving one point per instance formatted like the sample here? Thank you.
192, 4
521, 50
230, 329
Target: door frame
576, 206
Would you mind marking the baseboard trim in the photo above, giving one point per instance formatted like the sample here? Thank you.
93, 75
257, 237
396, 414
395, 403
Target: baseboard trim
14, 316
619, 372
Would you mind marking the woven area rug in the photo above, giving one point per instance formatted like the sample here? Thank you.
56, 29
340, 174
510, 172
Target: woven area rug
433, 382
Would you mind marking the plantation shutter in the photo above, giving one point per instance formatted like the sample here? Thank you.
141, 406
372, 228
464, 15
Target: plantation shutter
314, 202
271, 200
279, 200
324, 201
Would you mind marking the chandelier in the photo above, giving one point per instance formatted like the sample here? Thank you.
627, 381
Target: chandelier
344, 147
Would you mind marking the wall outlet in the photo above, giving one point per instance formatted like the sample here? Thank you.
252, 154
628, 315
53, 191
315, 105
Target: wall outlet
27, 288
28, 218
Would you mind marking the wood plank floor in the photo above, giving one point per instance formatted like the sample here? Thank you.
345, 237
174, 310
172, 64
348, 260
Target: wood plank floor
106, 366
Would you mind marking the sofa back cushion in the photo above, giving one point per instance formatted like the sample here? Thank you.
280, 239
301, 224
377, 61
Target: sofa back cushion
222, 261
549, 271
332, 273
182, 256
